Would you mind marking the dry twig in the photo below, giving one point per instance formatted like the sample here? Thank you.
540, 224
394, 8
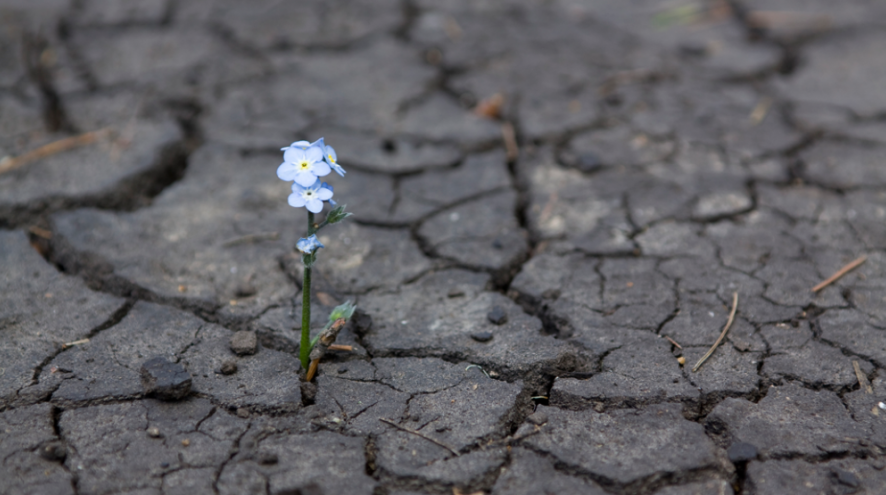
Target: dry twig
510, 138
672, 341
312, 369
327, 337
40, 232
11, 163
842, 271
420, 434
862, 379
722, 334
76, 342
760, 110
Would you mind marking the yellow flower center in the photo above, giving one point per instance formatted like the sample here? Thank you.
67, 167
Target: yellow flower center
304, 165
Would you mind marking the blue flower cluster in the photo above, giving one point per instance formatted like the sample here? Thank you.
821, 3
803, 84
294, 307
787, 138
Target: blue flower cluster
309, 245
304, 163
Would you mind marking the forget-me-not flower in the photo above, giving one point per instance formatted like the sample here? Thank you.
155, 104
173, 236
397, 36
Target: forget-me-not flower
304, 162
309, 245
330, 157
311, 197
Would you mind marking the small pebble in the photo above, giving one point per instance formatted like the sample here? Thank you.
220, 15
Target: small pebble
342, 370
54, 451
164, 379
154, 432
882, 405
681, 360
242, 412
266, 458
482, 336
164, 465
455, 293
245, 289
537, 418
244, 342
186, 442
497, 316
229, 367
846, 478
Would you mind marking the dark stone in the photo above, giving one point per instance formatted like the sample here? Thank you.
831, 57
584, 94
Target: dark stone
482, 336
54, 451
741, 452
165, 380
497, 316
844, 477
266, 458
245, 289
244, 343
229, 367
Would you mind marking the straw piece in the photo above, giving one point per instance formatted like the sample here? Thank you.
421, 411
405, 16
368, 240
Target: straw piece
722, 334
842, 271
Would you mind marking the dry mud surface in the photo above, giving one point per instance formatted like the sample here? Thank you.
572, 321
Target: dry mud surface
524, 278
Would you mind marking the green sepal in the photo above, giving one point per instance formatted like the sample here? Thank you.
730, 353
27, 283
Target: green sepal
344, 310
337, 214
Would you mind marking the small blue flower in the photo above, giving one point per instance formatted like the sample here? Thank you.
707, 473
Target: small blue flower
327, 186
304, 162
309, 245
330, 157
311, 197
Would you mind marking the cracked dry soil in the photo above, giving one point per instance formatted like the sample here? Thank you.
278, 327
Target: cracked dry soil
515, 292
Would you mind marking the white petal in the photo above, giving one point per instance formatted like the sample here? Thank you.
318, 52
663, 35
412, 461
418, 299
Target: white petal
324, 194
320, 169
286, 171
314, 153
296, 200
294, 155
315, 206
305, 179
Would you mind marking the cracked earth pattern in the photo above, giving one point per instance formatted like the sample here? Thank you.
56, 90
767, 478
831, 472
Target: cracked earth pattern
515, 295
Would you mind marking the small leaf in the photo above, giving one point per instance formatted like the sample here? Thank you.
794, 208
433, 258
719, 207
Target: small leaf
344, 310
337, 214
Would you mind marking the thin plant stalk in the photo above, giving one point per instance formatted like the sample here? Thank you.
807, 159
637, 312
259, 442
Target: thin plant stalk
304, 352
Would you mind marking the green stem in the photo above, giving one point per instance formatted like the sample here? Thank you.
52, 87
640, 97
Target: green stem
305, 346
